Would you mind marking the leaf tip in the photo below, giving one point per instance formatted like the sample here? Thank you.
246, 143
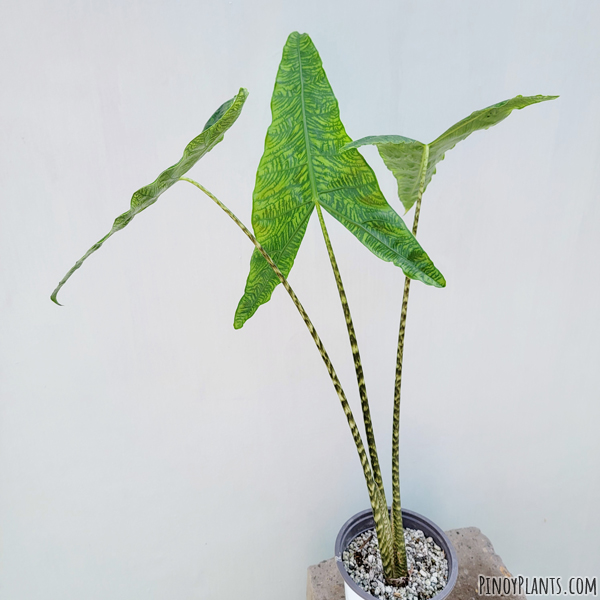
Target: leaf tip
542, 98
440, 280
435, 279
53, 297
294, 36
240, 318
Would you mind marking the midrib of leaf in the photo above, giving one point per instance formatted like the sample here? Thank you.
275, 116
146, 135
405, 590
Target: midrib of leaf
423, 172
311, 173
341, 218
463, 124
456, 128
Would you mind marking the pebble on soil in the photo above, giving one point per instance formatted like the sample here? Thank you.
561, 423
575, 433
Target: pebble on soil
427, 566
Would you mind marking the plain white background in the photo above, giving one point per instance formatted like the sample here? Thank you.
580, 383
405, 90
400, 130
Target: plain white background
148, 450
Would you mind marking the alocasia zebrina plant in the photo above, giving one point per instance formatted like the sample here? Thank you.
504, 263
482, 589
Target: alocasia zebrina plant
310, 165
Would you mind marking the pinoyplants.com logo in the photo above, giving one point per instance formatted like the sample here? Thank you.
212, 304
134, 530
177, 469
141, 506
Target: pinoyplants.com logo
537, 586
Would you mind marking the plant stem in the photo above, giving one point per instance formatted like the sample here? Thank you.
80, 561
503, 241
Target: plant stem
397, 526
382, 525
360, 378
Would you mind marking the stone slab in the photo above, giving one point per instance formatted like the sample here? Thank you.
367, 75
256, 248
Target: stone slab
476, 557
324, 582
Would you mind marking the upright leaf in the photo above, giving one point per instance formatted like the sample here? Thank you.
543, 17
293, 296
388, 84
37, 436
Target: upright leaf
403, 156
302, 167
213, 132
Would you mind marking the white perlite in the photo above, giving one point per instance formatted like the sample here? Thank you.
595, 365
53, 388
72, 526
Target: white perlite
427, 566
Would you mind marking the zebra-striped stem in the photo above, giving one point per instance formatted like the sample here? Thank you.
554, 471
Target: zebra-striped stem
397, 527
360, 378
392, 574
380, 515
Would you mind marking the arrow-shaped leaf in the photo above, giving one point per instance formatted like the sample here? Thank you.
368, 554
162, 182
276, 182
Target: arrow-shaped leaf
302, 167
213, 132
404, 157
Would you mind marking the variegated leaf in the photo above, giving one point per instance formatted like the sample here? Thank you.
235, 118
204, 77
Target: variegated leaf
302, 167
404, 157
213, 132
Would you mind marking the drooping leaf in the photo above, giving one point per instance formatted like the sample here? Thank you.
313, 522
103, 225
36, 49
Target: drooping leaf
302, 167
404, 157
213, 132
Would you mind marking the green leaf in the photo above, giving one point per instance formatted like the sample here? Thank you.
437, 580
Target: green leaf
403, 156
213, 132
302, 167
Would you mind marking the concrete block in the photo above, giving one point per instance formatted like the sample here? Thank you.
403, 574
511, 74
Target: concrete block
325, 582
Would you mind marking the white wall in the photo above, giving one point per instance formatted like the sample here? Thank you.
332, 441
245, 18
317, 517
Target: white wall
148, 450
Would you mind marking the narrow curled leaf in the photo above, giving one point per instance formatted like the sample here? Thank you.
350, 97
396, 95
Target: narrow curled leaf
302, 167
213, 132
403, 156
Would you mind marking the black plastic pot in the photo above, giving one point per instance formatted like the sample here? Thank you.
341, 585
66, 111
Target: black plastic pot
364, 520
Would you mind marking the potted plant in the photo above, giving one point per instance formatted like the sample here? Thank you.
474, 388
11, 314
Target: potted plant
310, 165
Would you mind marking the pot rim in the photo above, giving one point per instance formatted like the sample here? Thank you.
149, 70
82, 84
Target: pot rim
363, 521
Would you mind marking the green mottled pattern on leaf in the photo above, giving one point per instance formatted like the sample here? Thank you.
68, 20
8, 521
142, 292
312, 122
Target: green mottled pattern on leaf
403, 156
213, 132
301, 167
